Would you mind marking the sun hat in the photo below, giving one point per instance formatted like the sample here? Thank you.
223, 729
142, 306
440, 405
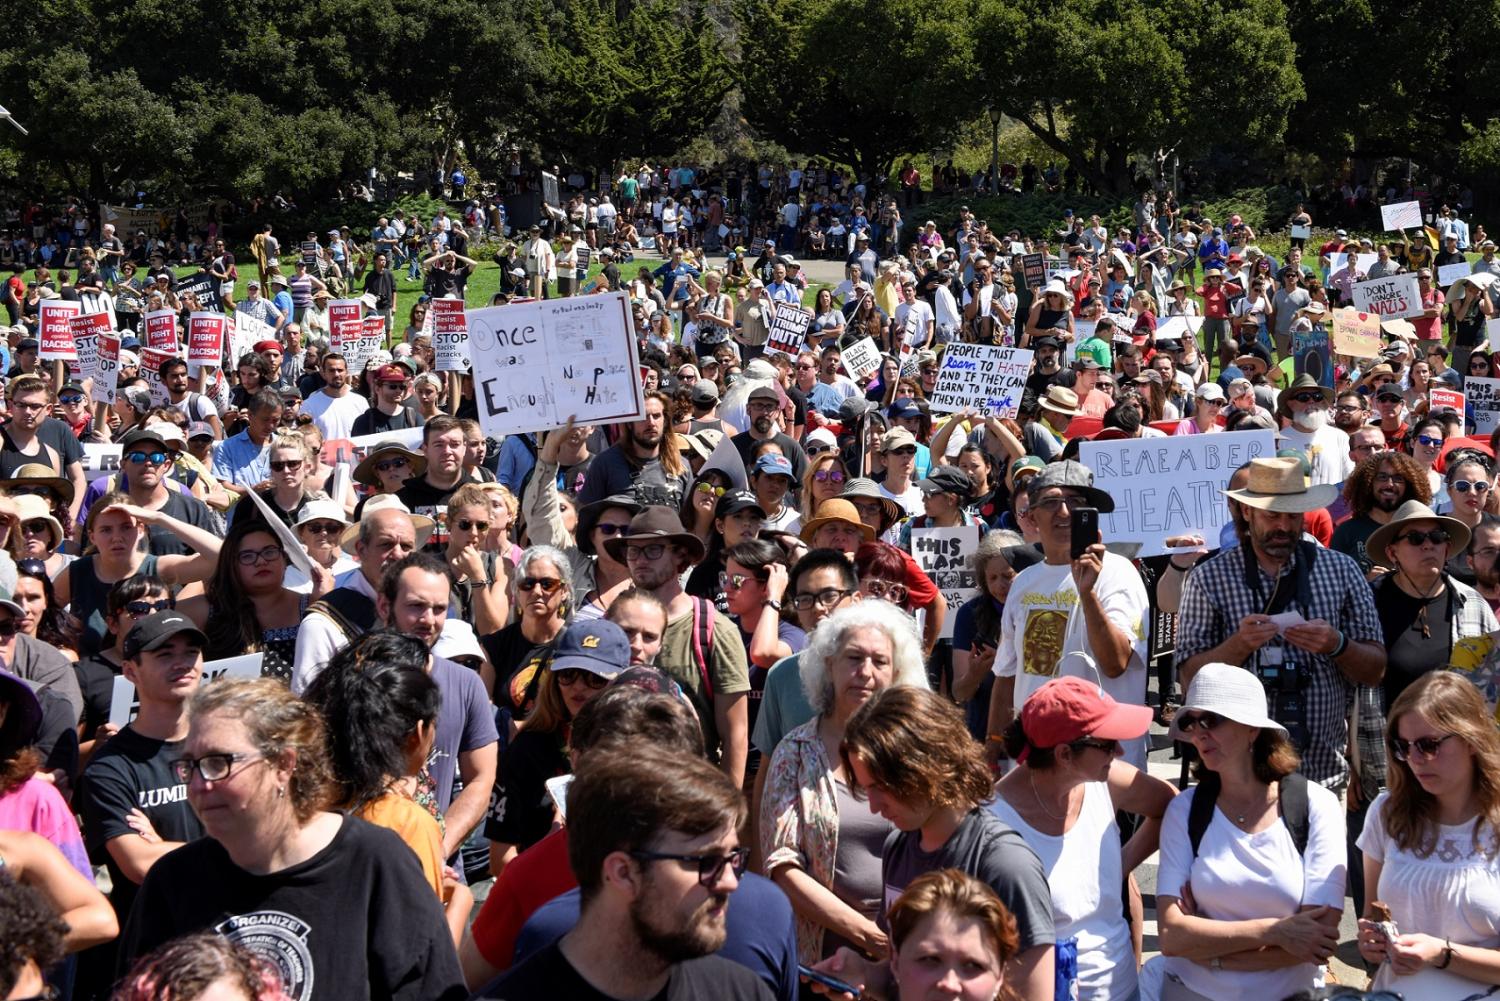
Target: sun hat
457, 640
421, 525
365, 471
1068, 709
1377, 546
1061, 400
1228, 691
836, 509
30, 507
1277, 484
320, 510
864, 488
35, 474
655, 524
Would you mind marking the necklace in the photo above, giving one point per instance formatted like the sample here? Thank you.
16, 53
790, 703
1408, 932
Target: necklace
1426, 600
1031, 777
1241, 818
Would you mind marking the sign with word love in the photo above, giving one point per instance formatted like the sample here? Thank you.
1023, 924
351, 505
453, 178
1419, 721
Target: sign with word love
450, 335
538, 363
789, 325
1356, 334
206, 333
54, 329
945, 555
983, 376
1391, 297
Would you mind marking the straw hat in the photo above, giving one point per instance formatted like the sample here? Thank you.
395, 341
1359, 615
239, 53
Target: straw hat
35, 474
1061, 400
1377, 546
1278, 485
30, 507
420, 523
836, 510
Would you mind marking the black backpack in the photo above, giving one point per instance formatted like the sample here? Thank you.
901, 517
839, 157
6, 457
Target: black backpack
1293, 807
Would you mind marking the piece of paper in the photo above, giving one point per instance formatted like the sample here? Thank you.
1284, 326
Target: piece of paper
296, 555
1450, 273
1401, 216
1356, 334
1285, 620
1301, 232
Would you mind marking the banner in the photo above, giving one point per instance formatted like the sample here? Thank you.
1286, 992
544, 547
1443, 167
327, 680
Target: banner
202, 286
85, 331
206, 338
861, 358
1356, 334
450, 335
123, 705
1034, 270
151, 362
99, 460
351, 451
1484, 397
1401, 215
106, 374
1169, 486
1441, 397
789, 326
345, 325
1391, 297
538, 363
945, 555
983, 376
161, 329
1450, 273
54, 329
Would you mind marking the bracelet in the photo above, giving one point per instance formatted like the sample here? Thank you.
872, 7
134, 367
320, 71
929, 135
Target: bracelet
1447, 955
1180, 569
995, 738
1338, 651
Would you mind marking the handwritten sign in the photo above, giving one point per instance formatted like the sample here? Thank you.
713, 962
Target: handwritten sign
1356, 334
537, 363
124, 706
1362, 262
1484, 396
1301, 232
1401, 215
161, 329
986, 377
106, 372
1444, 398
54, 330
1492, 332
206, 338
450, 335
248, 331
1169, 486
861, 358
1391, 297
1450, 273
945, 554
789, 326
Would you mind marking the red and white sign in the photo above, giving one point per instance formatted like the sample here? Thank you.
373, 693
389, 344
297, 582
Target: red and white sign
161, 329
151, 362
450, 335
1446, 398
54, 330
106, 367
345, 325
86, 330
206, 333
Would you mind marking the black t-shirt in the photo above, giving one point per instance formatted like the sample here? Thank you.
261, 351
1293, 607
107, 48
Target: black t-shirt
183, 507
421, 497
96, 680
131, 772
377, 421
245, 509
521, 809
516, 661
1409, 654
357, 920
744, 444
382, 285
799, 405
442, 283
12, 458
1350, 537
548, 976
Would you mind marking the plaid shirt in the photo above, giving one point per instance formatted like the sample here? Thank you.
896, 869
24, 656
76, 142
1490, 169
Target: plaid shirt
1215, 599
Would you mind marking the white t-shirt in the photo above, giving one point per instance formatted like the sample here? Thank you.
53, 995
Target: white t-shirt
948, 313
914, 320
1454, 894
334, 416
1240, 877
1036, 635
790, 213
1086, 900
669, 220
1327, 451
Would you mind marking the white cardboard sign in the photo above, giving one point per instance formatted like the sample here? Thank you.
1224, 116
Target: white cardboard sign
986, 377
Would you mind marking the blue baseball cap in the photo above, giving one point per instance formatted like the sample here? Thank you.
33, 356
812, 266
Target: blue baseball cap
904, 407
779, 465
597, 646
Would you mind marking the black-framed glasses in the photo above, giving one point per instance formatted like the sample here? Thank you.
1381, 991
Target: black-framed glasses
884, 589
569, 676
250, 557
211, 767
154, 458
1188, 722
1426, 746
826, 598
710, 867
1436, 536
546, 584
466, 525
140, 608
650, 552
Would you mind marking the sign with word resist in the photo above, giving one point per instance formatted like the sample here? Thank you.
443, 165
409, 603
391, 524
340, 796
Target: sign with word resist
789, 325
1391, 297
450, 335
984, 376
1484, 396
945, 554
1169, 486
538, 363
123, 704
151, 362
345, 324
86, 330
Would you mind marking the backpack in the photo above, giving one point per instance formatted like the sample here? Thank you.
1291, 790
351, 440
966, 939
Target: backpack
348, 609
701, 643
1293, 807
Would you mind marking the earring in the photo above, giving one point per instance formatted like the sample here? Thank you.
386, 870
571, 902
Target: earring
280, 791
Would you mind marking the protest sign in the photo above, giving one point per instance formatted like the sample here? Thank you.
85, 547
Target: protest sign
85, 331
123, 705
54, 330
1362, 262
106, 367
986, 377
1173, 328
353, 450
370, 338
206, 338
248, 331
1441, 397
1356, 334
345, 324
99, 460
309, 250
585, 256
789, 326
758, 245
861, 358
161, 329
202, 286
1391, 297
1310, 354
1484, 397
1492, 332
1034, 269
1450, 273
945, 554
151, 361
537, 363
1301, 232
1169, 486
1017, 248
1401, 215
450, 335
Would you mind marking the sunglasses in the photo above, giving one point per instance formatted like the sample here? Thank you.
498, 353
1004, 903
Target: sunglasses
903, 450
70, 399
570, 676
1107, 746
139, 608
704, 488
1426, 746
1308, 398
612, 528
1436, 536
1198, 721
154, 458
37, 526
828, 476
1464, 486
323, 527
547, 584
285, 465
1423, 439
735, 581
465, 525
886, 590
709, 867
386, 465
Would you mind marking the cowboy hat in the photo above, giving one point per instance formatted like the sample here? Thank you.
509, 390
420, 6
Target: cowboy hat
1306, 381
421, 525
1061, 400
365, 471
1277, 484
836, 509
655, 524
35, 474
1377, 546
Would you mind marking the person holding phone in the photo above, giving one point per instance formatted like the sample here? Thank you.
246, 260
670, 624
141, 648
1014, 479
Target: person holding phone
1081, 611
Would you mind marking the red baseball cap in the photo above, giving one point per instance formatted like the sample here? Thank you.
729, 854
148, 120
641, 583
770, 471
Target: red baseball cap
391, 373
1068, 709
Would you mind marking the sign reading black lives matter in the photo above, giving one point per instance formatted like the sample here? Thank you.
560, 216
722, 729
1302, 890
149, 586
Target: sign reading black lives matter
538, 363
946, 554
986, 377
788, 331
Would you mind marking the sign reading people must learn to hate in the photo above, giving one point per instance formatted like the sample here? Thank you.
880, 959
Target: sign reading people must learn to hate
536, 364
983, 376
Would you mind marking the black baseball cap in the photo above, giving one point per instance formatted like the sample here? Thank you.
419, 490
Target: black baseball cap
736, 501
139, 435
152, 632
947, 480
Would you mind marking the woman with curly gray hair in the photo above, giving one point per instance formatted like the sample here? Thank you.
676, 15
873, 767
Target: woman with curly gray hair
822, 845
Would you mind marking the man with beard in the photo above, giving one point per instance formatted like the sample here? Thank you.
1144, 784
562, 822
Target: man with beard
761, 407
1484, 559
1350, 413
334, 407
444, 445
638, 463
1045, 365
1304, 411
657, 854
1310, 665
1377, 487
832, 387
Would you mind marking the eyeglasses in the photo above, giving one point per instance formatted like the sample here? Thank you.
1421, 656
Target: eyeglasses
1464, 486
704, 488
154, 458
323, 527
570, 676
70, 399
1436, 536
212, 767
32, 492
1430, 442
1198, 721
826, 598
888, 590
1428, 747
465, 525
651, 552
36, 527
386, 465
250, 557
612, 528
139, 608
828, 476
285, 465
710, 867
1347, 408
1308, 398
546, 584
903, 450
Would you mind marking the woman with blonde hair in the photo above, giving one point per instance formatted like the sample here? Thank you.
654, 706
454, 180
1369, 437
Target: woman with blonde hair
1431, 846
291, 462
479, 575
823, 480
951, 937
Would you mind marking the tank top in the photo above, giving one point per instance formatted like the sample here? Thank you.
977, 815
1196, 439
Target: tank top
1049, 319
91, 599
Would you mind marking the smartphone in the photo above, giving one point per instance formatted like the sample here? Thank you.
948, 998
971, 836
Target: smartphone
1085, 529
832, 983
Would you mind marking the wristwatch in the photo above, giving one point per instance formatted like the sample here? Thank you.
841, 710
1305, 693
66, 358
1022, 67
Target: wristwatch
772, 603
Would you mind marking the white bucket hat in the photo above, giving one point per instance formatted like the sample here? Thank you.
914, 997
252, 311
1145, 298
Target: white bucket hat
1229, 691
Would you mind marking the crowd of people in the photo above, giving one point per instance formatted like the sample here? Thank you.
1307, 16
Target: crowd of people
669, 708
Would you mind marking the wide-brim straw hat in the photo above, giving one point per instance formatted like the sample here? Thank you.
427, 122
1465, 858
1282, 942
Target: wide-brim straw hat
1278, 485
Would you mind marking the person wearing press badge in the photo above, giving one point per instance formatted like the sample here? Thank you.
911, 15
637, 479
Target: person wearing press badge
1301, 618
